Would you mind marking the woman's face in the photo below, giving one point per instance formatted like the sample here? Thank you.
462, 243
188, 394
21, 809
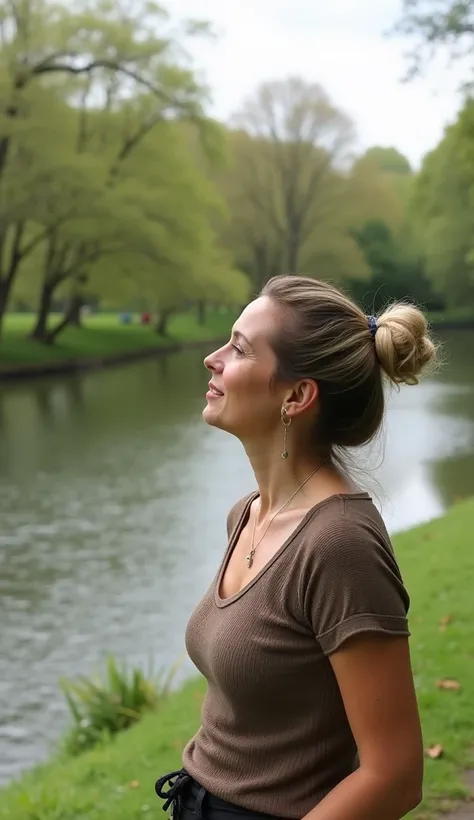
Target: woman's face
241, 398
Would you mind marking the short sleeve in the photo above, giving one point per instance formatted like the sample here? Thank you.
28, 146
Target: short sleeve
236, 512
355, 586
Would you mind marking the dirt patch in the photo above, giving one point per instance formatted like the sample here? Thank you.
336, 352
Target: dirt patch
465, 811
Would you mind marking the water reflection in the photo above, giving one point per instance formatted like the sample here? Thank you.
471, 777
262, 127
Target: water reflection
113, 498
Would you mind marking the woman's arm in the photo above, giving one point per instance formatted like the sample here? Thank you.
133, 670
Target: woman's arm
374, 675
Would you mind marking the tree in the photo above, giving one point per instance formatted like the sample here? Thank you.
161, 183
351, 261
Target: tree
290, 140
388, 160
379, 186
443, 212
435, 24
243, 229
32, 178
91, 60
145, 215
395, 274
158, 248
443, 205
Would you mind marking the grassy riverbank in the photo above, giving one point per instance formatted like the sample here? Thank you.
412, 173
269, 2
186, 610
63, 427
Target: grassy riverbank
115, 782
103, 335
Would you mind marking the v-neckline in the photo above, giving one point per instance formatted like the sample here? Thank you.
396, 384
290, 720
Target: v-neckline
242, 521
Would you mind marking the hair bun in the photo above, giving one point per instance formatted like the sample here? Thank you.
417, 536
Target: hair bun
402, 343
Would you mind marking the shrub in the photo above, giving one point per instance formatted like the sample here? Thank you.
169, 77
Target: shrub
103, 706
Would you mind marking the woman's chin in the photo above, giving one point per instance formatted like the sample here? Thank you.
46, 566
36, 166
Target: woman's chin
210, 415
214, 417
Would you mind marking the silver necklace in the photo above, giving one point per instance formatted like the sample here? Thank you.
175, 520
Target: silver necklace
249, 558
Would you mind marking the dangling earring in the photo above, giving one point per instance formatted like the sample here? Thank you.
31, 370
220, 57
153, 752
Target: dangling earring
286, 423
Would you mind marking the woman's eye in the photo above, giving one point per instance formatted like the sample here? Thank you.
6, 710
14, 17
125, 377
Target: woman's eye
238, 350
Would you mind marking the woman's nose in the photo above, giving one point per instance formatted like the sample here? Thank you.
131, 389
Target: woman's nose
208, 362
212, 362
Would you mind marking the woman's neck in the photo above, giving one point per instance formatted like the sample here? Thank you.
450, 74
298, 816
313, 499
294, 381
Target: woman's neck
277, 478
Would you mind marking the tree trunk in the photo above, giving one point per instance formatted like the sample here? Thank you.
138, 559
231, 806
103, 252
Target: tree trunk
5, 291
40, 330
293, 256
74, 312
71, 317
53, 334
201, 312
161, 326
6, 281
4, 147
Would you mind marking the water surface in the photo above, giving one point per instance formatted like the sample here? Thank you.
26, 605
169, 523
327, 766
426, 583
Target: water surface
113, 500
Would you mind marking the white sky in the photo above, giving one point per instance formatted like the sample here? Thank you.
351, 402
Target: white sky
339, 43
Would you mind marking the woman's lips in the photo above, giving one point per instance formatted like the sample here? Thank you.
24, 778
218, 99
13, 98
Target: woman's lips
213, 392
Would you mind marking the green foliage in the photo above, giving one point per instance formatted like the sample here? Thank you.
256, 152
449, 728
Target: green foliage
388, 159
443, 212
115, 781
436, 25
379, 187
99, 192
395, 275
442, 208
115, 186
103, 706
292, 206
282, 187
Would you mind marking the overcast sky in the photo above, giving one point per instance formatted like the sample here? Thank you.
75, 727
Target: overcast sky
338, 43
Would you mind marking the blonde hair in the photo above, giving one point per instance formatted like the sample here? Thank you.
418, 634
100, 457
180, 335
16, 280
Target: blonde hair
325, 336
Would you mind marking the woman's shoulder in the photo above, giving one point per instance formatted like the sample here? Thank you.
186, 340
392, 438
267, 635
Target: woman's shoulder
343, 533
237, 510
351, 516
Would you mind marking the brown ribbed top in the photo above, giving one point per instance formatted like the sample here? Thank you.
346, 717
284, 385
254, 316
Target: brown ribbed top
274, 736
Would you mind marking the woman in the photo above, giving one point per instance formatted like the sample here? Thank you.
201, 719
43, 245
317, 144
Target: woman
303, 638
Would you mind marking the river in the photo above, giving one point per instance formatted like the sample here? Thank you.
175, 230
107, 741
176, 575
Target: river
113, 498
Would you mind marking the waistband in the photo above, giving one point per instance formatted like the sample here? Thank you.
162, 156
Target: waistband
183, 790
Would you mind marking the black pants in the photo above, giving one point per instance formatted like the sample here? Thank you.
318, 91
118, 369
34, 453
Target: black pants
190, 801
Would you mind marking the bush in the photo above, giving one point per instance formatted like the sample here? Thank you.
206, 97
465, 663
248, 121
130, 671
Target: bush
102, 707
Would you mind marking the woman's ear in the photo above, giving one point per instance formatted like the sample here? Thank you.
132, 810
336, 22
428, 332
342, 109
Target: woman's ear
303, 397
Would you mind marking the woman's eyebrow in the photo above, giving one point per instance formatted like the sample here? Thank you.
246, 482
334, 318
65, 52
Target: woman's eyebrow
241, 336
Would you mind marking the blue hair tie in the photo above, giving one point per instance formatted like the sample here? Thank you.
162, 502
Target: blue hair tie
372, 321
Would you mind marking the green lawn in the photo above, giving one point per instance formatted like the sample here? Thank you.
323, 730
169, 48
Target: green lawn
115, 782
103, 335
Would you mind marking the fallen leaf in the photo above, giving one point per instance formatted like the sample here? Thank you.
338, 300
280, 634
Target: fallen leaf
435, 752
444, 622
134, 784
449, 685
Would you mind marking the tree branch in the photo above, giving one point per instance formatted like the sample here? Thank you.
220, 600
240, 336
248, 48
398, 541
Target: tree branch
132, 142
16, 255
45, 67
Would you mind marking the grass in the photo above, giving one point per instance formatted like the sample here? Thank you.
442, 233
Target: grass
115, 781
437, 561
103, 335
